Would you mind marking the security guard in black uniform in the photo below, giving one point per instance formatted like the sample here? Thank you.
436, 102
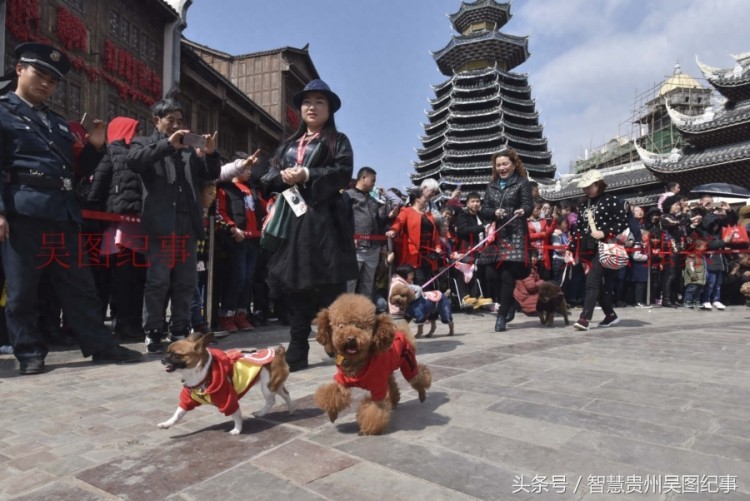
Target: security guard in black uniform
40, 217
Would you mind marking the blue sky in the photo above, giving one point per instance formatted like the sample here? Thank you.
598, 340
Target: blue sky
588, 60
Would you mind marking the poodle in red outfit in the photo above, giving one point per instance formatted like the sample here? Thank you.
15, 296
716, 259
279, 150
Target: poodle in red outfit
368, 348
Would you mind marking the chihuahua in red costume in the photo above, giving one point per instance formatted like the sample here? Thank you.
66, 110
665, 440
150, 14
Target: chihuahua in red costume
211, 376
368, 349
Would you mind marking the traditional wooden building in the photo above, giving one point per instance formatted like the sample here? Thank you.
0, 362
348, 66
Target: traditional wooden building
716, 143
123, 53
212, 103
625, 173
483, 106
270, 78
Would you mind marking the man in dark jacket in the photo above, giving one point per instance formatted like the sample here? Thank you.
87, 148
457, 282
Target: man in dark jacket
40, 217
369, 218
171, 216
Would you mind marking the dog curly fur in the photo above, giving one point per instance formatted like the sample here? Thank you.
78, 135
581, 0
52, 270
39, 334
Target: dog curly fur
352, 330
550, 300
402, 296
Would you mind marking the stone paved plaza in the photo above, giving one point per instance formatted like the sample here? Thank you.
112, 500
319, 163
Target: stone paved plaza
657, 407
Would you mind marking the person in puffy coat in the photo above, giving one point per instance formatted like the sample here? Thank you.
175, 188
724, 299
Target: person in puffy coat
507, 202
117, 189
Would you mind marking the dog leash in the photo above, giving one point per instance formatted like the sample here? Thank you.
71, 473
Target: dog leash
481, 242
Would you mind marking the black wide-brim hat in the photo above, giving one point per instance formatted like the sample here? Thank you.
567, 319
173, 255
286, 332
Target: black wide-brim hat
318, 85
44, 57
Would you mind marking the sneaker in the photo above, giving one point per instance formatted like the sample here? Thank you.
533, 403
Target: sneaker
707, 306
117, 355
227, 324
641, 305
719, 306
155, 341
6, 349
468, 300
240, 320
609, 320
582, 324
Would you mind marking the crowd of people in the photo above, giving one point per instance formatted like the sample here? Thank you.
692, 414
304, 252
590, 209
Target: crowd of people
285, 234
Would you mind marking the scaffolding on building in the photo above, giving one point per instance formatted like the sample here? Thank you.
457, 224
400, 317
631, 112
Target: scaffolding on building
649, 124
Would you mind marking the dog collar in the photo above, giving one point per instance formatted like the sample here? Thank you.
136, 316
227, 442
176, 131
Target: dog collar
202, 385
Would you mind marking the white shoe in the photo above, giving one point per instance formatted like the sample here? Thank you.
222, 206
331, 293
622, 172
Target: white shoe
719, 306
707, 306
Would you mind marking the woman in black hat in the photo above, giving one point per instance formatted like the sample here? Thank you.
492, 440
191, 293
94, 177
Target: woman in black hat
313, 264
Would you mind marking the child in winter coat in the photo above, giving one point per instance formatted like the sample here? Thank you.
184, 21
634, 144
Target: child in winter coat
694, 274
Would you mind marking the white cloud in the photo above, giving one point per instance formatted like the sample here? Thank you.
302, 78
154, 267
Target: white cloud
591, 58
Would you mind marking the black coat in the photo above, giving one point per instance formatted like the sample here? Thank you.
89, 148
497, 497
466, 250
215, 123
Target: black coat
25, 148
115, 187
512, 242
156, 163
320, 248
468, 231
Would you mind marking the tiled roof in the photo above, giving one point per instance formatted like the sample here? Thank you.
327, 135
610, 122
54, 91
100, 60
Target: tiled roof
728, 127
489, 45
478, 11
710, 157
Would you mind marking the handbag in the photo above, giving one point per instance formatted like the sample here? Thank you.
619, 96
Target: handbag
612, 253
276, 224
738, 233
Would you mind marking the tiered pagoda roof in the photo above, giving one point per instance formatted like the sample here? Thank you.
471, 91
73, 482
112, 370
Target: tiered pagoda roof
483, 106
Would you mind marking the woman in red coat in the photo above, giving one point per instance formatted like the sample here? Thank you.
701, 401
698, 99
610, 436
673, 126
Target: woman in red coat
417, 230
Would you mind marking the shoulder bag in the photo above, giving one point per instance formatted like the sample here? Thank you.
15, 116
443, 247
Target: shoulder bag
612, 253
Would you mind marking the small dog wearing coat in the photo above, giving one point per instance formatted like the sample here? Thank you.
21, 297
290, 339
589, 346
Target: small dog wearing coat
551, 299
422, 306
368, 348
211, 376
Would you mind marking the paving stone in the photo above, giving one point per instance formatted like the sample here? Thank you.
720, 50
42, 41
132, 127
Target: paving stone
243, 482
369, 482
156, 473
64, 491
659, 394
448, 469
17, 482
293, 461
594, 422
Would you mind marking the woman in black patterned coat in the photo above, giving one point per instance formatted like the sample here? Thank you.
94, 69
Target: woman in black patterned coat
610, 219
508, 193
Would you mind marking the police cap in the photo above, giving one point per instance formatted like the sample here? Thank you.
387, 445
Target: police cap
43, 57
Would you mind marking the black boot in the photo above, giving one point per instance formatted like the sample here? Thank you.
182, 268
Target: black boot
500, 323
511, 313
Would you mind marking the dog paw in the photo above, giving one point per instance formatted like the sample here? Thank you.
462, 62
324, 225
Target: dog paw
165, 425
235, 431
422, 395
332, 415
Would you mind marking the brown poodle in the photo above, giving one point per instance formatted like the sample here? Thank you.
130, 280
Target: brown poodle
402, 296
550, 300
368, 348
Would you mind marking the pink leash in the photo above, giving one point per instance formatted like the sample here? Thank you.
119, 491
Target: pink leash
481, 242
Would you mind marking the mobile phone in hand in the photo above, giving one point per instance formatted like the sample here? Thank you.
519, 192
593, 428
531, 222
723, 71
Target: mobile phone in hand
194, 140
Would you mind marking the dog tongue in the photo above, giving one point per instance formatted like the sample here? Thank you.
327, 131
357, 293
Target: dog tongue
351, 351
